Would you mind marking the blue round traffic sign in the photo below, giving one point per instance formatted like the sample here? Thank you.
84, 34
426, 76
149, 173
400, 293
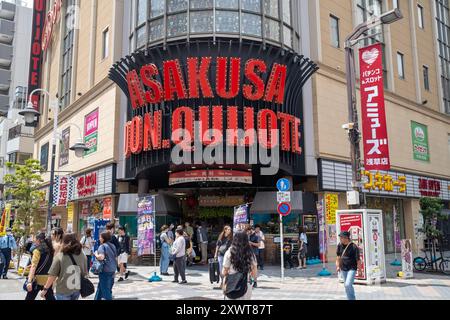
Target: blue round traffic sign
283, 185
284, 209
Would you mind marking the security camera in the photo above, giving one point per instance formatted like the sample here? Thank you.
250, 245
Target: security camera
348, 126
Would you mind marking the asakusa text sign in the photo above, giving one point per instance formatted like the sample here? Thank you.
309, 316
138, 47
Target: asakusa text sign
375, 137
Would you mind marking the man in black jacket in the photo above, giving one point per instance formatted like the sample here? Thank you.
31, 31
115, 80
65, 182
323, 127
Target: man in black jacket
124, 253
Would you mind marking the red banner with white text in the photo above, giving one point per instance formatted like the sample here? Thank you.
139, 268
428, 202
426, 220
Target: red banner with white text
375, 137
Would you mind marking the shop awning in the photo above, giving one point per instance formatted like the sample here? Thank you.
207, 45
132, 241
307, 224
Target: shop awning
266, 203
164, 204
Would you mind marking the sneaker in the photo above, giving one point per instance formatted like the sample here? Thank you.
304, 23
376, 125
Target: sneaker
127, 274
165, 274
175, 281
255, 285
120, 279
183, 282
5, 277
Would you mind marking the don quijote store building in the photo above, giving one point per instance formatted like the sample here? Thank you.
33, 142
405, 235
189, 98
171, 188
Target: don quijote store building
75, 43
213, 113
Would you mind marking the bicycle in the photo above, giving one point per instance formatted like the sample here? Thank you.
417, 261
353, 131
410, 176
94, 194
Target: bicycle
422, 263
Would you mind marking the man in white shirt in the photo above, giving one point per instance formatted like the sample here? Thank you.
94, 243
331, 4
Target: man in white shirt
179, 252
261, 246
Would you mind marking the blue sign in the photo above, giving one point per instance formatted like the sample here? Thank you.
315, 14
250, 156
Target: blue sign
283, 185
284, 209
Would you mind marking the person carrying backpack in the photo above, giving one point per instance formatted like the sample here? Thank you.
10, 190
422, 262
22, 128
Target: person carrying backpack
239, 265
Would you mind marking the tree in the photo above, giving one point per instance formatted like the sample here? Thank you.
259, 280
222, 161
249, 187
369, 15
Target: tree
24, 186
431, 210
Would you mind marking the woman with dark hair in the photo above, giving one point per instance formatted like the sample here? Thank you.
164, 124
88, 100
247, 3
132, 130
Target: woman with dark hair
41, 262
57, 235
222, 246
241, 259
107, 253
67, 265
302, 248
88, 244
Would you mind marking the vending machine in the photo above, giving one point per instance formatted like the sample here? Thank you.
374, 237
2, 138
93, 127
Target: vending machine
366, 231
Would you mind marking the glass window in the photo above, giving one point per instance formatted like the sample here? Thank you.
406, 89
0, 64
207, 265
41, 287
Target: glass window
140, 37
156, 29
176, 5
202, 21
251, 5
271, 8
105, 43
287, 11
420, 16
227, 4
272, 29
141, 11
227, 21
201, 4
156, 8
251, 24
176, 24
334, 25
396, 6
426, 79
400, 65
287, 36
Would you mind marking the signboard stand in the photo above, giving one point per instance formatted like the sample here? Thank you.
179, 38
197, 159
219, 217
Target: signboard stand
324, 272
366, 231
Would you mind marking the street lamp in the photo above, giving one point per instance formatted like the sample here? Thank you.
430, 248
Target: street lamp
29, 114
353, 127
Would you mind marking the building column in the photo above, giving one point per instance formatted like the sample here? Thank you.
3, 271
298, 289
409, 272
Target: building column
412, 216
143, 186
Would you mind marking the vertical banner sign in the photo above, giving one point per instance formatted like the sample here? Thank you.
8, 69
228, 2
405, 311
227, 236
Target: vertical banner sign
34, 75
64, 147
240, 218
146, 226
375, 137
407, 259
6, 218
353, 223
91, 132
331, 205
107, 208
63, 190
70, 217
322, 232
397, 240
421, 150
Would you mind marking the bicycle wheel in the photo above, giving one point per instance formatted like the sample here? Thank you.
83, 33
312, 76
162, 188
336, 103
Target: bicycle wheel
445, 266
420, 264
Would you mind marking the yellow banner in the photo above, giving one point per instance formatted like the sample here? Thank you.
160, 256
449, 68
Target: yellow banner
70, 217
6, 217
331, 205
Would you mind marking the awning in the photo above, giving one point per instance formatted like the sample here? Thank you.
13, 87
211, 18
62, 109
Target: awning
164, 204
266, 203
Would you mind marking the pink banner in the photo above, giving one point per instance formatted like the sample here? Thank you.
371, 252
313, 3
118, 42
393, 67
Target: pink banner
91, 123
375, 137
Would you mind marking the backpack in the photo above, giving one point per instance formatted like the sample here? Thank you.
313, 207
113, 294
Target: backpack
236, 285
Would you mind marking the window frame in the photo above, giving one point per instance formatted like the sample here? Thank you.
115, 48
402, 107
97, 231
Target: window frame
401, 72
336, 19
105, 44
420, 17
426, 77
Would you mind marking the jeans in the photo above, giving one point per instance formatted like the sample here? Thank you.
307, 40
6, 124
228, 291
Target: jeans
165, 259
7, 255
49, 296
179, 267
260, 257
68, 297
349, 279
220, 259
204, 251
105, 285
89, 259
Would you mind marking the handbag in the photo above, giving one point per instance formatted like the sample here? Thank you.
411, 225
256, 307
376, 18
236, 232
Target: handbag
236, 285
97, 266
86, 286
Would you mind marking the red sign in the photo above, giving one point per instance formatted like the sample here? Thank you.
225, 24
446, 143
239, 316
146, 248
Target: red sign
87, 185
210, 175
375, 137
284, 209
34, 76
63, 191
50, 21
429, 188
107, 208
353, 224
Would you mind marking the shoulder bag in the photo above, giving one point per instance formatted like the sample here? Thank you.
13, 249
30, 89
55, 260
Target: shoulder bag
86, 286
236, 285
343, 253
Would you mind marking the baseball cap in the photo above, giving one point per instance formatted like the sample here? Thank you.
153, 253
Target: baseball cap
345, 234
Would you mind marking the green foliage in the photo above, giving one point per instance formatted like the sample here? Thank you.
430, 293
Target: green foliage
24, 187
431, 210
211, 213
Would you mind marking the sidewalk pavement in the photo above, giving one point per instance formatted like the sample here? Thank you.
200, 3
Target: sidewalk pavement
298, 285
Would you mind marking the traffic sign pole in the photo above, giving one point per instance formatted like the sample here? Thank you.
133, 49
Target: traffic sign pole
282, 249
284, 208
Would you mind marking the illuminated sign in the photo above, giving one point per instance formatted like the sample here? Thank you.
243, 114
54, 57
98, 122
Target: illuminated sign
53, 17
384, 182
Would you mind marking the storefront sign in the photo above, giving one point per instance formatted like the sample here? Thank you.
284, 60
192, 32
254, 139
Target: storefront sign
34, 75
107, 208
375, 138
210, 175
64, 146
407, 259
146, 226
218, 201
95, 183
91, 132
53, 17
332, 205
63, 190
70, 217
419, 133
375, 265
337, 176
240, 218
353, 223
